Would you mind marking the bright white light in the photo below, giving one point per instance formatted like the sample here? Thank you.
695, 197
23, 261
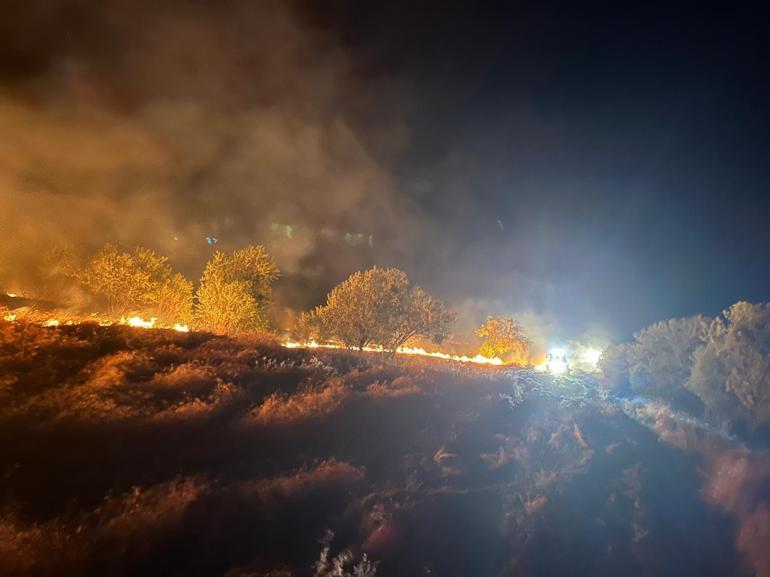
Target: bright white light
557, 353
591, 356
557, 361
557, 366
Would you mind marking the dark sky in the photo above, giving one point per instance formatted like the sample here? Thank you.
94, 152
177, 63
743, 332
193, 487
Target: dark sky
594, 166
623, 146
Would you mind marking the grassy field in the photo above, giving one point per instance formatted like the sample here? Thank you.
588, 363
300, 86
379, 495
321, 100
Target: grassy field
152, 452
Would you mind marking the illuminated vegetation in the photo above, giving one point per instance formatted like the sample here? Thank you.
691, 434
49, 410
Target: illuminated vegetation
379, 307
141, 280
723, 361
504, 338
235, 291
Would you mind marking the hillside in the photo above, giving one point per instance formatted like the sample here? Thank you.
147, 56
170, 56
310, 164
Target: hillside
152, 452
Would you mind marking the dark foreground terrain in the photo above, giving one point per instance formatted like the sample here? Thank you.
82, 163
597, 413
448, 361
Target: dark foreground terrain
133, 452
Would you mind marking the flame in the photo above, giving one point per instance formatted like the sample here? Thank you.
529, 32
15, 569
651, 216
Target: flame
478, 359
138, 322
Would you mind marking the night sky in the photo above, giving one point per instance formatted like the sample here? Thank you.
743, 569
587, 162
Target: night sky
596, 168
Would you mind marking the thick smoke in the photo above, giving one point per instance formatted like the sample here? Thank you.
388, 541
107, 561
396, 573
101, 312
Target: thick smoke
163, 123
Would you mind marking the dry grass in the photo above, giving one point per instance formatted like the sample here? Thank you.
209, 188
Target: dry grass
313, 403
124, 452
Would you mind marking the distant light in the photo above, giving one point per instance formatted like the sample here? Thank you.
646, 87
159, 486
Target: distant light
591, 356
557, 361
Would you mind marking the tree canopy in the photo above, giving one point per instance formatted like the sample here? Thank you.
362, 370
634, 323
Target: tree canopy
503, 337
381, 307
140, 280
235, 292
731, 371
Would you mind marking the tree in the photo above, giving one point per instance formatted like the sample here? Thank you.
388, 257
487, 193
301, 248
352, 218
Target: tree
171, 300
380, 306
138, 281
731, 373
57, 273
235, 293
661, 359
307, 327
614, 364
503, 337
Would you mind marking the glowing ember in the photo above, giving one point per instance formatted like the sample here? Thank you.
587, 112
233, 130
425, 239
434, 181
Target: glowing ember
478, 359
10, 317
51, 323
12, 295
181, 328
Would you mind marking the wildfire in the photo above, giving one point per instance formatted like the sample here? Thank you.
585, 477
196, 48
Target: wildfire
138, 322
151, 323
478, 359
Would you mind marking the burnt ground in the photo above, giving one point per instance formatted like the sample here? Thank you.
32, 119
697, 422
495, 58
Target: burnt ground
133, 452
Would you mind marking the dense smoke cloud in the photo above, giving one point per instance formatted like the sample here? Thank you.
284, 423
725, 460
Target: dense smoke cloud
160, 125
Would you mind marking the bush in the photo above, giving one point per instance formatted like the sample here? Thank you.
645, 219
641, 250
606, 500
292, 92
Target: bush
659, 362
381, 307
614, 364
307, 327
138, 281
235, 293
731, 373
661, 359
503, 337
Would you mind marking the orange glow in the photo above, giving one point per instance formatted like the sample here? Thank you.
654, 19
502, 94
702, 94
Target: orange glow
138, 322
478, 359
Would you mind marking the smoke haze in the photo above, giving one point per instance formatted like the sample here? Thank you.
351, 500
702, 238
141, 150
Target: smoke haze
498, 154
158, 125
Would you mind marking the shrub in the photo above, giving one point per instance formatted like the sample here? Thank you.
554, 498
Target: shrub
125, 282
235, 292
503, 337
307, 327
381, 307
614, 364
731, 373
660, 360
